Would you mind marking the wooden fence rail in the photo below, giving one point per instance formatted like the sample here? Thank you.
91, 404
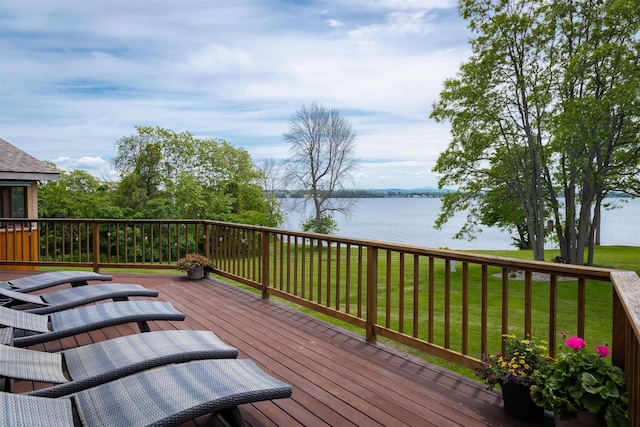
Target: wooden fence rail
450, 304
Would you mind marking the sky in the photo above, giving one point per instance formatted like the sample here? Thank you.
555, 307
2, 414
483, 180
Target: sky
76, 76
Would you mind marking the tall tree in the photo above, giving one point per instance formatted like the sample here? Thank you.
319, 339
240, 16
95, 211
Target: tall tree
322, 145
546, 110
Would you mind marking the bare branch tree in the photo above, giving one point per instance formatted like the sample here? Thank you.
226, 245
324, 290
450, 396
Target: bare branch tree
322, 145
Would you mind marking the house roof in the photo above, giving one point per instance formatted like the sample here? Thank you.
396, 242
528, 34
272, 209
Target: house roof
17, 165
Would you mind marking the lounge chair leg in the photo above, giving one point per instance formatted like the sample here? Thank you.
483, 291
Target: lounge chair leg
144, 327
7, 384
232, 416
81, 283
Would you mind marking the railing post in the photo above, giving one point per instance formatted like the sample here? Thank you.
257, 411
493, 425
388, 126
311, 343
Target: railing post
265, 264
372, 293
207, 240
95, 231
619, 332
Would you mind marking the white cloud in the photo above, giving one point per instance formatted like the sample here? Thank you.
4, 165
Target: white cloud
398, 24
79, 76
215, 58
335, 23
97, 166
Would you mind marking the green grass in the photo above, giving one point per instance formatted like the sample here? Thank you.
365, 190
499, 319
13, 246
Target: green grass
598, 322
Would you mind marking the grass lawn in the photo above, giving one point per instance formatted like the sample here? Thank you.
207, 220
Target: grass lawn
598, 309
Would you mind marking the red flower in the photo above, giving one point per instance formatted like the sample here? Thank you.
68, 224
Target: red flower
576, 343
602, 350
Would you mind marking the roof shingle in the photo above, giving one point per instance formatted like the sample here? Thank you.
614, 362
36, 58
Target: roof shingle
16, 164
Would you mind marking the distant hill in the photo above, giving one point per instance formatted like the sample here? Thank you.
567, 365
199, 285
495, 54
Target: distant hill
415, 190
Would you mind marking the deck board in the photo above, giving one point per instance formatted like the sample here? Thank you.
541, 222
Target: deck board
338, 379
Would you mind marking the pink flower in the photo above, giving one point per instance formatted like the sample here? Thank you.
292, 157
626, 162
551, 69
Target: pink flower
576, 343
602, 350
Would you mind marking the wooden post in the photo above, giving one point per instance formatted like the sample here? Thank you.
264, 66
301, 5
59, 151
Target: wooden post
95, 231
372, 293
265, 264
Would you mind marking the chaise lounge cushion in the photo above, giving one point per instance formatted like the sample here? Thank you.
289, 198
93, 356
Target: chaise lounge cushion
51, 302
165, 396
101, 362
84, 319
53, 278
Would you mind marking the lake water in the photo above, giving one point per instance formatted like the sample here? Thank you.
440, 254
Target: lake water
410, 221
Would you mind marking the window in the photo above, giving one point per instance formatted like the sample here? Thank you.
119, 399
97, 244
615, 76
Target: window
13, 202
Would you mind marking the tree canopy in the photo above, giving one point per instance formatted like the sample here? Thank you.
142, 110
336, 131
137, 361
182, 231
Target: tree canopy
167, 175
545, 118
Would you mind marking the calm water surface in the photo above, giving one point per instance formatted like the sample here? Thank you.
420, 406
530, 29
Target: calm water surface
410, 221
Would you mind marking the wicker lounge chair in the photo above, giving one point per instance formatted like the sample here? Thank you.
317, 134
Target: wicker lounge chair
53, 278
51, 302
165, 396
83, 319
98, 363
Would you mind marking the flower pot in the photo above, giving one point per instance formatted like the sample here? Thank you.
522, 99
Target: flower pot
585, 418
518, 402
195, 273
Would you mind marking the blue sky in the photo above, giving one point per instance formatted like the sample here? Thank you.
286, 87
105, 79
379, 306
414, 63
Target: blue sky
76, 76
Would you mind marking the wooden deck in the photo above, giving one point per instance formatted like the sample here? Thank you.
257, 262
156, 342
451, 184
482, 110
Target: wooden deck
338, 379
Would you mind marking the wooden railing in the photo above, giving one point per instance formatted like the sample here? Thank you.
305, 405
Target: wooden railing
450, 304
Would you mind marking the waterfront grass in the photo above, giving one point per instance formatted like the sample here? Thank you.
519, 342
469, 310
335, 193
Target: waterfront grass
395, 307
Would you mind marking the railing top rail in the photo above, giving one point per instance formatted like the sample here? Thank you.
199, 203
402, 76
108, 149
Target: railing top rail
627, 286
595, 273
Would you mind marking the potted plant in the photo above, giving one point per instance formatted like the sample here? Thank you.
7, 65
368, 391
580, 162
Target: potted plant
514, 371
580, 382
195, 265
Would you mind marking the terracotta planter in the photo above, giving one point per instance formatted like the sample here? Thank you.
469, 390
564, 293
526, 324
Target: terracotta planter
518, 403
584, 419
195, 273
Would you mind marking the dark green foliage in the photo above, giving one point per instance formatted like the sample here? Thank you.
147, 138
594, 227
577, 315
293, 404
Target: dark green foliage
166, 175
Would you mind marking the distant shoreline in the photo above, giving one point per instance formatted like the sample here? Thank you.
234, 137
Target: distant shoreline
395, 193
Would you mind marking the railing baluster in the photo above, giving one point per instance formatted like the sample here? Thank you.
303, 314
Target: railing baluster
347, 284
581, 306
337, 279
288, 263
431, 298
505, 306
416, 295
484, 297
527, 304
553, 310
465, 308
447, 303
400, 293
388, 291
319, 281
372, 293
311, 260
327, 281
360, 286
